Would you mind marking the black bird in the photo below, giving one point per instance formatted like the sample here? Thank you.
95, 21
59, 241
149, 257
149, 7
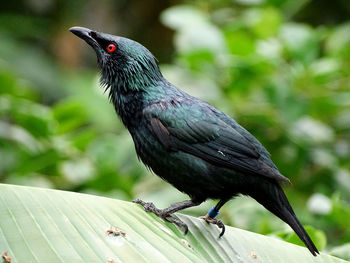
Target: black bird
187, 142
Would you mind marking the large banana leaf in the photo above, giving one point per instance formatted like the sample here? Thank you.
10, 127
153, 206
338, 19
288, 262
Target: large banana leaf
42, 225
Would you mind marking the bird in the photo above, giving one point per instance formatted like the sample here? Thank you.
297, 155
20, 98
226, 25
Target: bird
187, 142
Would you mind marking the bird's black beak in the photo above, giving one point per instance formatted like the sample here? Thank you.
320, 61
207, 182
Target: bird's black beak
89, 36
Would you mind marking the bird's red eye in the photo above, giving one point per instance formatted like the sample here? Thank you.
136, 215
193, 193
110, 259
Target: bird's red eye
111, 48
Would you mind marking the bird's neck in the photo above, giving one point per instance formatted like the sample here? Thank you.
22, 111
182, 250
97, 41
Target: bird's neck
136, 76
127, 86
128, 104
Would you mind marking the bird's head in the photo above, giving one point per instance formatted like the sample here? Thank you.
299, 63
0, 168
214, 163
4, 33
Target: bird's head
125, 64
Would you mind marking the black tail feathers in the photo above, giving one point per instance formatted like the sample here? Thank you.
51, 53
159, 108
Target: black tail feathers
294, 223
276, 202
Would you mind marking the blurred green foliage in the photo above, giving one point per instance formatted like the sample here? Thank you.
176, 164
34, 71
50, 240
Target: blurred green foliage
277, 66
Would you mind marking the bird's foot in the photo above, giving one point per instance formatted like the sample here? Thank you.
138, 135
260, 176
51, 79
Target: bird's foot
150, 207
214, 221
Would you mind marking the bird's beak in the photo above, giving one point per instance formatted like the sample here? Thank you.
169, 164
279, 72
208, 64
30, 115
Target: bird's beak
89, 36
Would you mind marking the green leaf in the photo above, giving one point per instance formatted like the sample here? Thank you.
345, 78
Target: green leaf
193, 29
239, 42
318, 237
342, 251
33, 117
264, 22
301, 42
42, 225
70, 115
339, 39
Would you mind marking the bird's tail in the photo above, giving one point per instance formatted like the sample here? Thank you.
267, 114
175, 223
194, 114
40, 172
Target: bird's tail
276, 202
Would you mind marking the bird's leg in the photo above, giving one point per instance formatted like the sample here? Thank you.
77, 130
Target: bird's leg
166, 213
212, 213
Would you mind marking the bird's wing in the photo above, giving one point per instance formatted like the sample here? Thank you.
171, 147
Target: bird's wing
195, 129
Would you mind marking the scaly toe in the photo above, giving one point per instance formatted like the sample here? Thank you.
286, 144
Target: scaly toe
149, 207
138, 201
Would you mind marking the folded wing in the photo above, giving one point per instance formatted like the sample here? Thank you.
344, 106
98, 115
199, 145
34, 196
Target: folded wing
199, 132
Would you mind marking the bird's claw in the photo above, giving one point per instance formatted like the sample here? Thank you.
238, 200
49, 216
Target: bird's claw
150, 207
214, 221
177, 222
